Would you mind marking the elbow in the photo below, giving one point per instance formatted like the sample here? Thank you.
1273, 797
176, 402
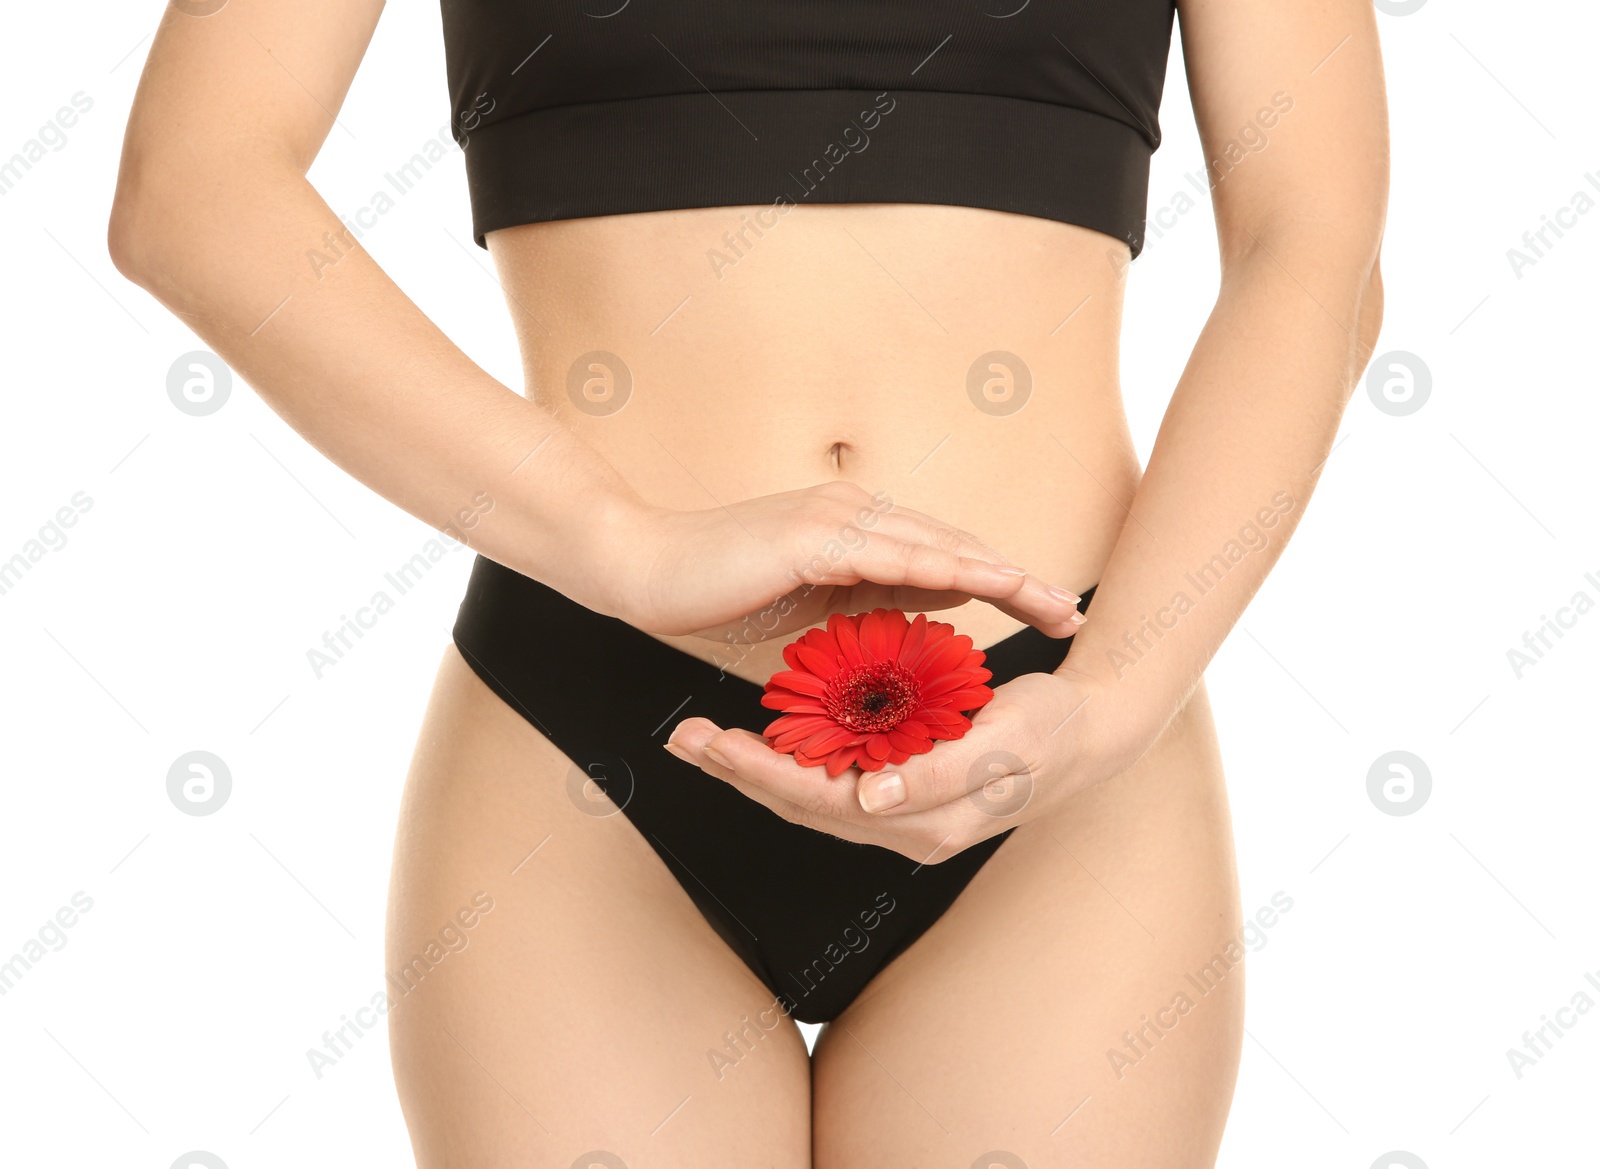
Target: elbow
176, 218
126, 242
1343, 249
153, 214
129, 233
1335, 259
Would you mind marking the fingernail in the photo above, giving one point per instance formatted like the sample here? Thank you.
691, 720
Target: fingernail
883, 793
1062, 594
1077, 619
678, 751
1010, 570
715, 758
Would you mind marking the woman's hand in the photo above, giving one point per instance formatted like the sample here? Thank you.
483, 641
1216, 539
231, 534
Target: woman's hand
1033, 746
771, 565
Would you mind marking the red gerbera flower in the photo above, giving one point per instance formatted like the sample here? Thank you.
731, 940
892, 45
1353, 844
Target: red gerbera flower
872, 689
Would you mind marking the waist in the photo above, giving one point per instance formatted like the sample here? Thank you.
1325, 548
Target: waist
962, 362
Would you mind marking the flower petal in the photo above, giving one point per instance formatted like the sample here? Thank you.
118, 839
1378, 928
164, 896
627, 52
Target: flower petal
945, 724
916, 639
831, 739
969, 699
914, 744
792, 726
845, 631
941, 676
873, 641
841, 760
801, 681
943, 655
789, 700
935, 689
822, 665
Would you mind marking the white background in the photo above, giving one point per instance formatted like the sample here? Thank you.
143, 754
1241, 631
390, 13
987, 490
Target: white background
218, 549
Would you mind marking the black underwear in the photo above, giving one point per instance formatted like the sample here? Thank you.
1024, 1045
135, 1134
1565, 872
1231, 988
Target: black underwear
813, 916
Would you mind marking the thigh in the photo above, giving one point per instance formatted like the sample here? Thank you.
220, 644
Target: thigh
553, 991
1067, 1009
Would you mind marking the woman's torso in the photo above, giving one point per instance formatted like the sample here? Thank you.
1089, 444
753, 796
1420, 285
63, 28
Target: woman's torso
960, 360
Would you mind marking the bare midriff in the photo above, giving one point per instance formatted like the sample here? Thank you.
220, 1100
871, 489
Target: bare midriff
757, 350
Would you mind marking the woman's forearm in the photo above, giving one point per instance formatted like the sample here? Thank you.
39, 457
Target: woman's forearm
1252, 420
237, 243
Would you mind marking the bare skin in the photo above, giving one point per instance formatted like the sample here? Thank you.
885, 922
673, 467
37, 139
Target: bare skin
866, 384
589, 999
828, 364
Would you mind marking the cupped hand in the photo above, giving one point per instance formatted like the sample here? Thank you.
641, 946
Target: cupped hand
768, 566
1029, 749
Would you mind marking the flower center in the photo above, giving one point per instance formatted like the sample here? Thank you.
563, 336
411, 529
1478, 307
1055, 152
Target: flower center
874, 697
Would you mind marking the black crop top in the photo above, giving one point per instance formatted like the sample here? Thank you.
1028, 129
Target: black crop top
574, 108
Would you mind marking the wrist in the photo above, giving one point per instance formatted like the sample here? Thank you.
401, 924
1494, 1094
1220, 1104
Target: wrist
1106, 734
588, 540
613, 549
